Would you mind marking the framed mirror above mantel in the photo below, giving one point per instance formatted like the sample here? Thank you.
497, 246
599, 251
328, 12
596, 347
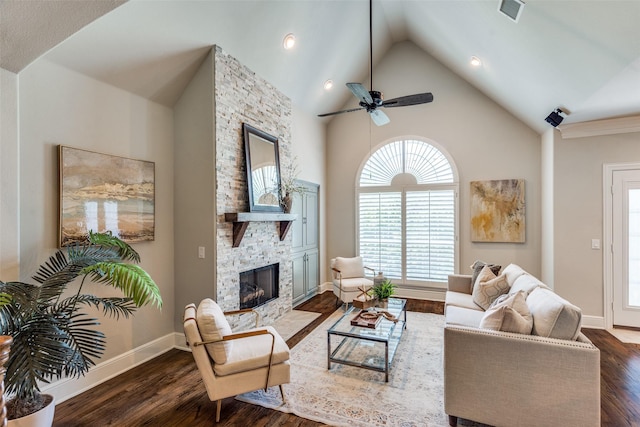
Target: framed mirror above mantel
263, 170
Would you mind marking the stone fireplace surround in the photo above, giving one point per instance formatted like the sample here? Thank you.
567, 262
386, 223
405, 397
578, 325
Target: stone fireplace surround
240, 96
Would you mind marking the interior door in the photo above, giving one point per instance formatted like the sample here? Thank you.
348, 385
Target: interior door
626, 247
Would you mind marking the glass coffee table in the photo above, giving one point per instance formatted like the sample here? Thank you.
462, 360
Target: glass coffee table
364, 347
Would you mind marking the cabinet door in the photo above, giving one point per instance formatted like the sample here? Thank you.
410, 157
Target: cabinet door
311, 218
297, 228
312, 272
299, 279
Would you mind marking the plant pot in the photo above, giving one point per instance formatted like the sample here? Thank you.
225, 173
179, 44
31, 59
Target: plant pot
41, 418
383, 303
287, 201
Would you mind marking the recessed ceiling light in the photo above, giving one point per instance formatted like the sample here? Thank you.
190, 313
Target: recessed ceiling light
289, 41
475, 61
328, 84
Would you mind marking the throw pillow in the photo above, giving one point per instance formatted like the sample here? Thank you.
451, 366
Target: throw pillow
488, 287
213, 326
511, 314
477, 267
553, 316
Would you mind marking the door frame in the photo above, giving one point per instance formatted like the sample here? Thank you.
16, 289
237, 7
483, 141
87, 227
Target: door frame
607, 174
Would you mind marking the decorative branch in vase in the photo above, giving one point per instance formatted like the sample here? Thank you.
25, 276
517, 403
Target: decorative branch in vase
289, 185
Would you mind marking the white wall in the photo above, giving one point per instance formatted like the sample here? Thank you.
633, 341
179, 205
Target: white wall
59, 106
546, 203
308, 146
485, 141
578, 207
9, 182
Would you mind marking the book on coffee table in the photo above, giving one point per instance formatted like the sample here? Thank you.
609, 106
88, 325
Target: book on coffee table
366, 319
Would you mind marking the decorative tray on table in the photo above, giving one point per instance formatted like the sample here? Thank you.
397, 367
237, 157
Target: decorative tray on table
366, 319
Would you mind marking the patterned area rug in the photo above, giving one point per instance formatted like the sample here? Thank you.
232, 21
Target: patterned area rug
349, 396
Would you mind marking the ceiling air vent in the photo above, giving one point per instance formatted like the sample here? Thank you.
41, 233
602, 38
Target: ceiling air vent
511, 8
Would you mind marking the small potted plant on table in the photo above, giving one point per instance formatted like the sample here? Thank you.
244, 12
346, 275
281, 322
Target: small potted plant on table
383, 291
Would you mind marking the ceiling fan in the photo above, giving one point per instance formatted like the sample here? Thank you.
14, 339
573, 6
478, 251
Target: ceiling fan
372, 100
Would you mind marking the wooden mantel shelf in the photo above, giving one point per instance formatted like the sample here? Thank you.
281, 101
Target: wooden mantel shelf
241, 221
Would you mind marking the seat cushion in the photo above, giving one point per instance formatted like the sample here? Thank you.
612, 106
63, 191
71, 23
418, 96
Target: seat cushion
350, 267
553, 316
488, 287
461, 300
463, 316
253, 353
213, 326
353, 284
509, 313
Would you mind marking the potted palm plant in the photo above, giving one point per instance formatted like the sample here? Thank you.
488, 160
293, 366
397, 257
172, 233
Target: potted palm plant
383, 290
53, 336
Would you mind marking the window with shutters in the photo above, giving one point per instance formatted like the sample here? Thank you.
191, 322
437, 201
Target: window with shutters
407, 213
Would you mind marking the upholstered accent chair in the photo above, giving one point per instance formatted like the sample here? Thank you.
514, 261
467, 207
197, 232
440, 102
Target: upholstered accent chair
349, 278
234, 363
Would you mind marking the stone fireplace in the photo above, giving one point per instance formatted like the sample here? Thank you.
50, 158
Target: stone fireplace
240, 97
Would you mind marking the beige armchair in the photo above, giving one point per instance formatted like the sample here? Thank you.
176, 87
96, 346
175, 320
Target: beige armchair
234, 363
349, 278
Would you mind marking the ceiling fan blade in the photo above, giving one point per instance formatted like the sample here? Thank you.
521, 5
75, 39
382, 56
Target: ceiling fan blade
360, 92
340, 112
404, 101
378, 117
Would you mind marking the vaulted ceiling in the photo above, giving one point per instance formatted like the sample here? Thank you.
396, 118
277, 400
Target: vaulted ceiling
581, 55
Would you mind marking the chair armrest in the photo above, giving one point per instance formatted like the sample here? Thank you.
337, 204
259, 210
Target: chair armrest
243, 311
370, 269
459, 283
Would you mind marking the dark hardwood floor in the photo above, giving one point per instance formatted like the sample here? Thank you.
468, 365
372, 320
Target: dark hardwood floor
167, 390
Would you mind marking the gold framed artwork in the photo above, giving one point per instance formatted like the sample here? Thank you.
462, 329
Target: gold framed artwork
101, 192
498, 211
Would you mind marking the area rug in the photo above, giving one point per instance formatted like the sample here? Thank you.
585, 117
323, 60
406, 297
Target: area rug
292, 322
349, 396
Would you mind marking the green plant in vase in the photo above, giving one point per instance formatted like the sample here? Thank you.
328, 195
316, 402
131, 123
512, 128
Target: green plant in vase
383, 290
53, 336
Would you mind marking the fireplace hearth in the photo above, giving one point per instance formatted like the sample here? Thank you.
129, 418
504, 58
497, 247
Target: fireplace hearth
259, 286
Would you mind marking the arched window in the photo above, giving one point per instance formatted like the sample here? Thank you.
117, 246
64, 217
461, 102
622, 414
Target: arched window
407, 213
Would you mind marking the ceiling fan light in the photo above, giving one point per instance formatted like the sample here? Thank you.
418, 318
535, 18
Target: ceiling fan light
289, 41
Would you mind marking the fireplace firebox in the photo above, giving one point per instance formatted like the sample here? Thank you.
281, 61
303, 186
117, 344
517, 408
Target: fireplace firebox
258, 286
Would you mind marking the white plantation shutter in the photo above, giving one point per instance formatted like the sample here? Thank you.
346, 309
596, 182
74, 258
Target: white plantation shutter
408, 230
430, 235
381, 232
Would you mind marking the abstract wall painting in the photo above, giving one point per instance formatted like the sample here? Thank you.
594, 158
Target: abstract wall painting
498, 211
100, 192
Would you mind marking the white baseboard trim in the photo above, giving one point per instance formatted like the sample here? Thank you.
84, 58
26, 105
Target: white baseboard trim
326, 286
67, 388
593, 322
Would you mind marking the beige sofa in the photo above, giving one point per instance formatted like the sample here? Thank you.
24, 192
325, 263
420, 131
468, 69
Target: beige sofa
549, 377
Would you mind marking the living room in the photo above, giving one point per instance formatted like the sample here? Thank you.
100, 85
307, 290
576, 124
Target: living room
48, 102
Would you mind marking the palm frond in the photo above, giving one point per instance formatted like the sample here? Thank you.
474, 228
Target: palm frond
125, 251
131, 279
113, 307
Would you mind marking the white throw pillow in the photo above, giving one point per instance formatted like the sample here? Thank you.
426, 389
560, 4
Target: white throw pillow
510, 314
488, 287
213, 326
553, 316
350, 267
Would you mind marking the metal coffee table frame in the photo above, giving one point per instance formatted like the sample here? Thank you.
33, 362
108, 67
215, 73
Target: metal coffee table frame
387, 333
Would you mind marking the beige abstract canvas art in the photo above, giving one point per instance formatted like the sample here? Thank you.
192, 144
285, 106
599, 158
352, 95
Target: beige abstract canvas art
498, 211
100, 192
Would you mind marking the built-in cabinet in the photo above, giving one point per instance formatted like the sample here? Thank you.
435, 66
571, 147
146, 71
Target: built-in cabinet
304, 243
